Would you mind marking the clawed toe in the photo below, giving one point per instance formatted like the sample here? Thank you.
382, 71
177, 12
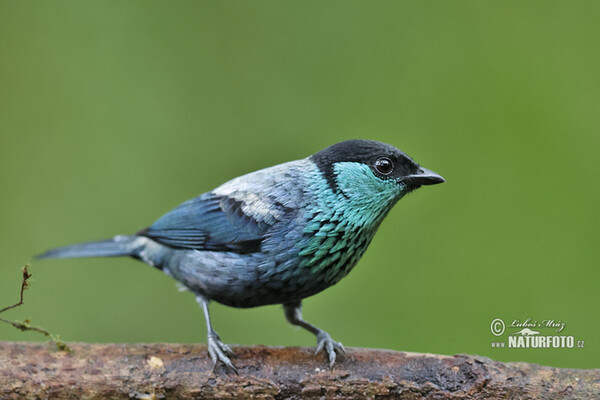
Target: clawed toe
219, 352
226, 349
325, 342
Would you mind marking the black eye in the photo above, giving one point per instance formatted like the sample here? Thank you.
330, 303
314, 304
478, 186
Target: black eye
384, 165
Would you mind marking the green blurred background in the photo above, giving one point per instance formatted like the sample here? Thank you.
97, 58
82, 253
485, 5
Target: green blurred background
112, 113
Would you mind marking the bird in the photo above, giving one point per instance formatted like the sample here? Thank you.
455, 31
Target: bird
274, 236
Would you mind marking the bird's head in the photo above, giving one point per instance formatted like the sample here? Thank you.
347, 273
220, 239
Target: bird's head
369, 173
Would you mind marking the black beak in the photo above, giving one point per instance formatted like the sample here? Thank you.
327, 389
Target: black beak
422, 177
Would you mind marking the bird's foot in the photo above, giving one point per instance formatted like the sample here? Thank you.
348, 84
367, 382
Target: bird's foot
219, 352
325, 342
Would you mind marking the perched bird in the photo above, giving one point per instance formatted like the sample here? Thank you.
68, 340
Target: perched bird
274, 236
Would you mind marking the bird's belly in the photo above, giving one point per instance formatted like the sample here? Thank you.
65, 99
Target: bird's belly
256, 279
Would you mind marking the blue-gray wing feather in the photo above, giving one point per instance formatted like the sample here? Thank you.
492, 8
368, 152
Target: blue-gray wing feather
238, 215
216, 223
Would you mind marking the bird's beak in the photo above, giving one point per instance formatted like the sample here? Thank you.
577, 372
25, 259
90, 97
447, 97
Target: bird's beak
422, 177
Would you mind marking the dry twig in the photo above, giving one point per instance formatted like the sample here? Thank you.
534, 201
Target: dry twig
26, 324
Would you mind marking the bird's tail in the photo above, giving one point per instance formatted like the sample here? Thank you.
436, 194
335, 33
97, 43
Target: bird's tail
115, 247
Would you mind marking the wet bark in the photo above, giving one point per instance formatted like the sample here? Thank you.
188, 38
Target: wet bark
176, 371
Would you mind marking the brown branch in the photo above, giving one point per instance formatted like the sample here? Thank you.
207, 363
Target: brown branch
26, 324
176, 371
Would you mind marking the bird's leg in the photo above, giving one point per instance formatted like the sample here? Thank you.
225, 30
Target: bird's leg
293, 313
218, 350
